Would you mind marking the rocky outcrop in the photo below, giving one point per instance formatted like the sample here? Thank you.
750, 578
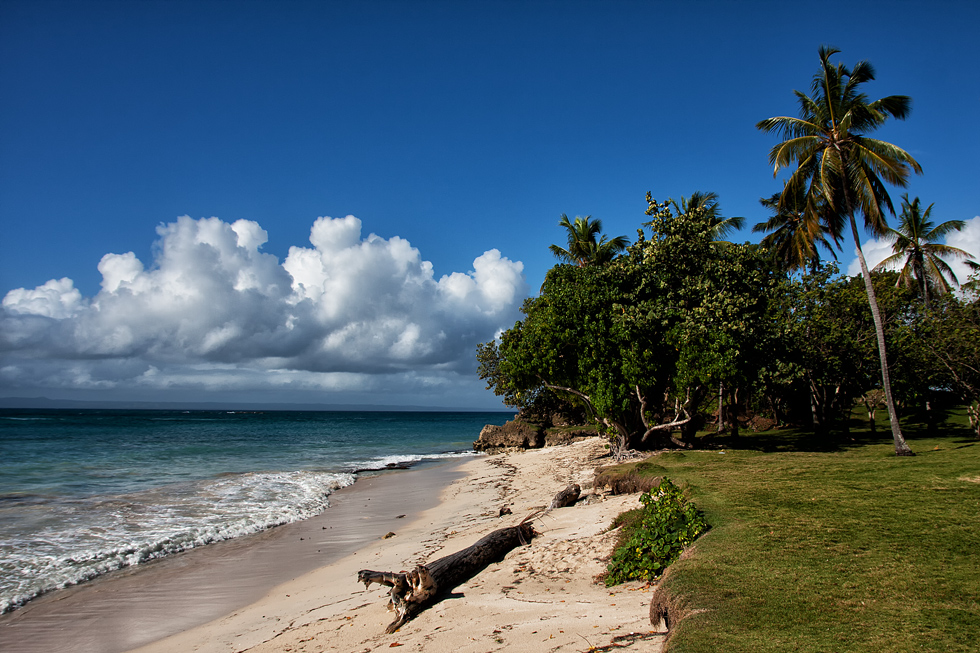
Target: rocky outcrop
521, 434
515, 434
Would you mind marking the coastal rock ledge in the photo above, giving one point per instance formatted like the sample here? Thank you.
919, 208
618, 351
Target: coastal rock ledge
515, 434
518, 434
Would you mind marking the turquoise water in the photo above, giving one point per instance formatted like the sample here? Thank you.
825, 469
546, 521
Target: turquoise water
83, 493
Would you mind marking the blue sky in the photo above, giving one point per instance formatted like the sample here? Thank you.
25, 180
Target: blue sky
456, 132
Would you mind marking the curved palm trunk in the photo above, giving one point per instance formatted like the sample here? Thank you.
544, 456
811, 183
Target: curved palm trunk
901, 446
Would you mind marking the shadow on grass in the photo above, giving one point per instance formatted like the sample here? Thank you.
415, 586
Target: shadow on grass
952, 429
794, 439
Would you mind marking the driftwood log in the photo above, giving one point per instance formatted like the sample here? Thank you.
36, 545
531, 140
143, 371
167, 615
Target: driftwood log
566, 497
413, 591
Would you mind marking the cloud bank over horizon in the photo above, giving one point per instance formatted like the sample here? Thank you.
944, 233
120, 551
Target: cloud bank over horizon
877, 250
213, 313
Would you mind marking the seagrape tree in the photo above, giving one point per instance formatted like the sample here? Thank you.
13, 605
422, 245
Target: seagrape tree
641, 342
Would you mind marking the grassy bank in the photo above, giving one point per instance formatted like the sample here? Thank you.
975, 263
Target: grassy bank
831, 547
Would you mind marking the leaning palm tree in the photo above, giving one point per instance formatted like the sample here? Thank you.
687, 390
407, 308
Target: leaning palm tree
794, 236
916, 249
721, 226
585, 247
836, 163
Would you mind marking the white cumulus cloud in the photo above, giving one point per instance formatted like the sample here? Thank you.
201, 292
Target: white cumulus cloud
212, 311
58, 298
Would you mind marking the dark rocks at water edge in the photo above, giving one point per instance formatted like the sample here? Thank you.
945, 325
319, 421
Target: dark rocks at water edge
523, 434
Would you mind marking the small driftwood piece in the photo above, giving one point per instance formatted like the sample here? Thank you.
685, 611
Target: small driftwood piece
566, 497
413, 591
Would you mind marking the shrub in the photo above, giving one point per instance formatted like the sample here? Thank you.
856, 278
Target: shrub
667, 523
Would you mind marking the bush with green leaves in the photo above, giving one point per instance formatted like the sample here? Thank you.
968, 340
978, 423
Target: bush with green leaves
666, 524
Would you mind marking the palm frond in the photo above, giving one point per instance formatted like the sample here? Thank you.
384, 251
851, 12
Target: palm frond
896, 106
891, 261
946, 251
788, 127
890, 161
944, 229
562, 254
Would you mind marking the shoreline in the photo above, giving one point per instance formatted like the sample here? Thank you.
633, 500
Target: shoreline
539, 597
137, 605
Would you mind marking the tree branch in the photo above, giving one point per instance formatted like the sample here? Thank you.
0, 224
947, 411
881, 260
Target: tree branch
676, 422
577, 393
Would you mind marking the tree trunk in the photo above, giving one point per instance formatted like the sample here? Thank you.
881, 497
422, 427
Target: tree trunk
733, 411
973, 413
620, 448
411, 592
901, 446
775, 411
920, 271
689, 431
721, 407
816, 414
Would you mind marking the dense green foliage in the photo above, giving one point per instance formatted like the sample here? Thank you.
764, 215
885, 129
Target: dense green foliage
639, 342
643, 343
827, 356
808, 553
656, 537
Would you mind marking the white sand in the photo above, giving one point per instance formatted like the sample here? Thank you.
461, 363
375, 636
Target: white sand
541, 597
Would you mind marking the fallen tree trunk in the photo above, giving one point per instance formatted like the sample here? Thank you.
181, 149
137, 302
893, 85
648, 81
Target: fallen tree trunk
413, 591
566, 497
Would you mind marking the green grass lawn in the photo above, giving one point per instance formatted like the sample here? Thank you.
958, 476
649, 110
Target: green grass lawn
832, 546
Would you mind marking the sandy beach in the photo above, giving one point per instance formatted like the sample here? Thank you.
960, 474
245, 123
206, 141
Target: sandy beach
541, 597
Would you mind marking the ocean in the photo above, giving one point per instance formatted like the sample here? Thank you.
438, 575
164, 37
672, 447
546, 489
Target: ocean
86, 492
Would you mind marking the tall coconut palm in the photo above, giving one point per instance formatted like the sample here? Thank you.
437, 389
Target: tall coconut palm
721, 226
837, 163
915, 247
794, 235
585, 246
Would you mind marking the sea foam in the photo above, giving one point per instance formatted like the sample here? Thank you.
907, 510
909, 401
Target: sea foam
70, 541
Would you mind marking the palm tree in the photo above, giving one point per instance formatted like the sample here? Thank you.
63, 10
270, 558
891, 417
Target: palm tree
584, 245
836, 163
915, 245
796, 235
720, 225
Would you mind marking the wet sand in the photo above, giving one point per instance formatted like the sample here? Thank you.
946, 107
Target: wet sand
146, 603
